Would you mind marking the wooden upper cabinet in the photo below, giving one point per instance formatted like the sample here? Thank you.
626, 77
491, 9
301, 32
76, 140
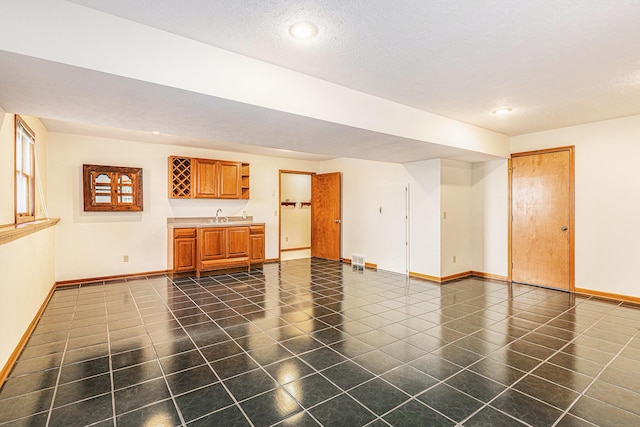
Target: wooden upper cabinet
207, 178
229, 180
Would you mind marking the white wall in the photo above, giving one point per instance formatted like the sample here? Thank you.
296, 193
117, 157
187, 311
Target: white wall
360, 181
424, 217
27, 264
26, 277
92, 244
455, 199
295, 222
489, 217
607, 200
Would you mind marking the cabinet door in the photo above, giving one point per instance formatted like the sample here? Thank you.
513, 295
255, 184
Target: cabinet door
257, 248
206, 175
184, 254
238, 242
212, 243
230, 180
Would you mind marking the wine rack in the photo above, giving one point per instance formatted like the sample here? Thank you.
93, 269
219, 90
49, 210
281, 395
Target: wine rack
180, 178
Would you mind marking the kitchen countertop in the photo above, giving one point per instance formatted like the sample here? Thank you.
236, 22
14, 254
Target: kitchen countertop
205, 222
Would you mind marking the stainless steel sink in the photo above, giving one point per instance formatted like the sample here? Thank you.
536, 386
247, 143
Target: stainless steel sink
240, 222
223, 221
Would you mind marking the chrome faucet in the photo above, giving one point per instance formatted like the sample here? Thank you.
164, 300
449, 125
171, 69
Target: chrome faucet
217, 213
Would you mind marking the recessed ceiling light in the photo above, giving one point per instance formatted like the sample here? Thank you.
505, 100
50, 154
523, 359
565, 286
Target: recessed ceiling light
303, 30
502, 111
155, 132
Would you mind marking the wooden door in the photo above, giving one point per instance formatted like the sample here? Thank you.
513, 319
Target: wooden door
230, 180
212, 243
206, 176
238, 242
542, 204
326, 215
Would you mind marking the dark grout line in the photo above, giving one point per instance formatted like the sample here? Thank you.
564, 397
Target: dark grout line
293, 293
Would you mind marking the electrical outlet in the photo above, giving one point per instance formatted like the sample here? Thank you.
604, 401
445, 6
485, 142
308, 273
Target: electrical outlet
444, 215
286, 239
454, 258
125, 258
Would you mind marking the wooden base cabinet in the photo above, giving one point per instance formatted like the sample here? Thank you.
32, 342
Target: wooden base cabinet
212, 243
184, 249
212, 248
257, 244
223, 247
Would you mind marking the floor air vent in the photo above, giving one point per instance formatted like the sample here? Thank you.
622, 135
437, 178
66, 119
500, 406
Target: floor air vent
357, 261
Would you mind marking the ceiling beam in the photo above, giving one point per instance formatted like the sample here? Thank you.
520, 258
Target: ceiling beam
67, 33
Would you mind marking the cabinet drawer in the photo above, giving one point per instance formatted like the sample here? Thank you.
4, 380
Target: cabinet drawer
257, 229
184, 232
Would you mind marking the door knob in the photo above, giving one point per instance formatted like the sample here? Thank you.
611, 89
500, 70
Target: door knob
337, 221
564, 228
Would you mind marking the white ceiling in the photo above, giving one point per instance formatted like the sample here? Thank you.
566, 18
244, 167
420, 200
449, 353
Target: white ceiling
554, 63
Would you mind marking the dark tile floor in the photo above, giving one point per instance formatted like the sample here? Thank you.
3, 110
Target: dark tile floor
313, 342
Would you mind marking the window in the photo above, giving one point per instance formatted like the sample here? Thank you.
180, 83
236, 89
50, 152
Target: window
25, 172
112, 188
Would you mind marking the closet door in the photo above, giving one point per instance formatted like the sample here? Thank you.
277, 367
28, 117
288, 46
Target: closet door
326, 215
542, 203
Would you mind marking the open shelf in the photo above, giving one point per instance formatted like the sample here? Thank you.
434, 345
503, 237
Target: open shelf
244, 176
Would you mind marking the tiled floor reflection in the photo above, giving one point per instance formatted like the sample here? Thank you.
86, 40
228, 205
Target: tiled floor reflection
313, 342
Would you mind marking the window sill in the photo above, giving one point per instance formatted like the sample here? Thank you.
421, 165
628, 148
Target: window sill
14, 232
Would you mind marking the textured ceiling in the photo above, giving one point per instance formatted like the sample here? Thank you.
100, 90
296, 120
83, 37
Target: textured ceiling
105, 105
554, 63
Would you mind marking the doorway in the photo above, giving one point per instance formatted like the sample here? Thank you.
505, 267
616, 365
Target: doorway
392, 228
295, 215
310, 215
542, 218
